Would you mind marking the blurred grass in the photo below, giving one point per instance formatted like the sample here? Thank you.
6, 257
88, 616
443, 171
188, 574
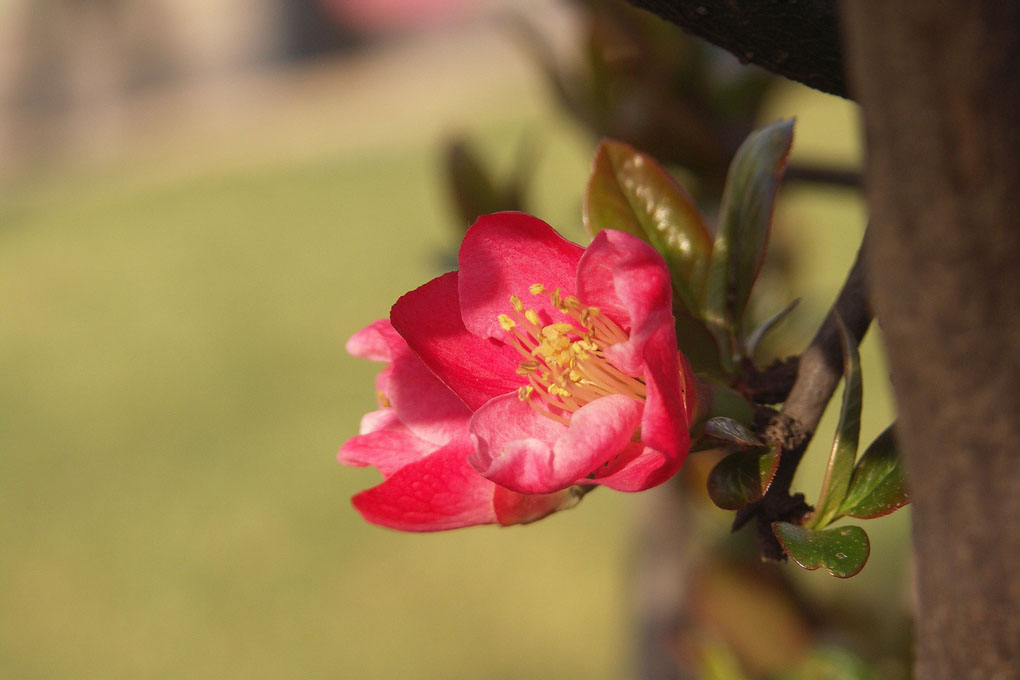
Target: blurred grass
174, 388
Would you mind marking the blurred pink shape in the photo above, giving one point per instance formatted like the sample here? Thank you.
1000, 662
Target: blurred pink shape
378, 16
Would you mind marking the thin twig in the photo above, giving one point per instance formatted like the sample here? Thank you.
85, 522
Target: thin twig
818, 373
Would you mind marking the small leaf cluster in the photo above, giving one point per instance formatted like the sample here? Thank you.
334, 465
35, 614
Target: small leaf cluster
713, 274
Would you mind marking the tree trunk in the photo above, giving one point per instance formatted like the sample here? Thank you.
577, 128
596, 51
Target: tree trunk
939, 83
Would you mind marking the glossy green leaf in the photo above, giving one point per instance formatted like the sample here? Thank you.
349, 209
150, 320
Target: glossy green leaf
843, 551
629, 191
742, 477
745, 220
877, 486
731, 430
848, 431
755, 337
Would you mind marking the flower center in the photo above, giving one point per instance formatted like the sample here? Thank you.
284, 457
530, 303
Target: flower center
565, 362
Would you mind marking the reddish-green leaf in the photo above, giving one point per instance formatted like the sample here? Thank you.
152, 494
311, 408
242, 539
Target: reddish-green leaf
877, 486
743, 477
843, 551
745, 220
629, 191
848, 431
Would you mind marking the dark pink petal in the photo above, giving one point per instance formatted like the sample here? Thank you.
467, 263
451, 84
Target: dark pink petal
476, 369
625, 278
426, 406
519, 508
435, 493
389, 449
664, 423
378, 341
504, 254
526, 452
649, 468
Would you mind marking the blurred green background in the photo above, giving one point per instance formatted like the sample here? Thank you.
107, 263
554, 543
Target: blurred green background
174, 386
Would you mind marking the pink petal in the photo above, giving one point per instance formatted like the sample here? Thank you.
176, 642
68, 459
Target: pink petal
438, 492
529, 453
377, 420
425, 405
649, 468
624, 277
378, 341
389, 449
504, 254
664, 423
519, 508
476, 369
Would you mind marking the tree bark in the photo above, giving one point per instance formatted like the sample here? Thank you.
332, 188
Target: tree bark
940, 88
797, 39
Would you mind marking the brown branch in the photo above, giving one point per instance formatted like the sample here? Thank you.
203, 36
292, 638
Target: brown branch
818, 373
797, 39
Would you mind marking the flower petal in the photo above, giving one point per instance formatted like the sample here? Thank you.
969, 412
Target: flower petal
526, 452
378, 341
435, 493
424, 404
665, 422
628, 280
389, 448
476, 369
649, 468
504, 254
520, 508
377, 420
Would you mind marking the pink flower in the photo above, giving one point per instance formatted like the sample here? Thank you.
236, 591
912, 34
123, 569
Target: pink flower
537, 367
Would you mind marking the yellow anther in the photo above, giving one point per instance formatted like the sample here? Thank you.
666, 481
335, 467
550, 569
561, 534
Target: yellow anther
516, 303
571, 302
524, 392
506, 322
557, 302
564, 327
536, 289
532, 316
558, 391
526, 368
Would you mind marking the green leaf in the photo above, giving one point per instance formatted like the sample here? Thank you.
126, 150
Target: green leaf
742, 477
877, 486
848, 431
696, 341
843, 551
721, 400
755, 337
731, 430
629, 191
745, 220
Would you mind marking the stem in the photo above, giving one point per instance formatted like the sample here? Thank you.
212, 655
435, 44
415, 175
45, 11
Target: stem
818, 373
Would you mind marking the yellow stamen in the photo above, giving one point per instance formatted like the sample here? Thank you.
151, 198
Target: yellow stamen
565, 361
